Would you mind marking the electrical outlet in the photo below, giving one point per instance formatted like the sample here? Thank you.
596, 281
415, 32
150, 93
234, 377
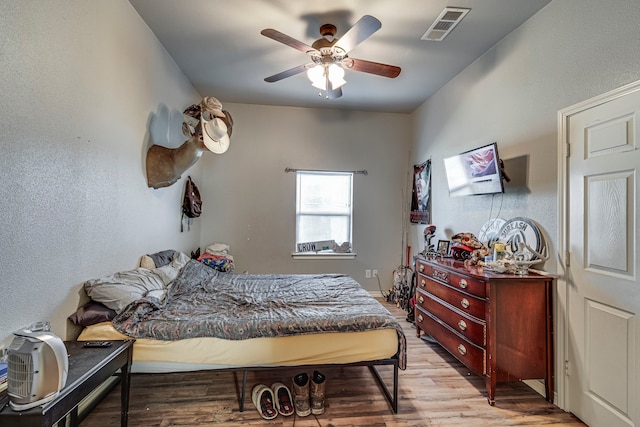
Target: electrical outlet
375, 273
367, 274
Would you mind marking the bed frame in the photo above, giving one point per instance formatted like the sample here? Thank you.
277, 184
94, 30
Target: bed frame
391, 396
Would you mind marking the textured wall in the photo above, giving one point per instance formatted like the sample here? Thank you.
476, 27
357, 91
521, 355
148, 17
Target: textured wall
85, 88
250, 200
512, 95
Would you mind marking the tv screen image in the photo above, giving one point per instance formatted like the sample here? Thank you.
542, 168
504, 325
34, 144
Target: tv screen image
474, 172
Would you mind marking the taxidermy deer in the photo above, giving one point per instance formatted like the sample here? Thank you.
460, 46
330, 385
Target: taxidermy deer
166, 165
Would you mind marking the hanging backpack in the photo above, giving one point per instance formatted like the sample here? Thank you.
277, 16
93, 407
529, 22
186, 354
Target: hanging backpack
192, 203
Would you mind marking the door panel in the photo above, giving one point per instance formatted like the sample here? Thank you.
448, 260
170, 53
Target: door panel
608, 330
609, 207
603, 287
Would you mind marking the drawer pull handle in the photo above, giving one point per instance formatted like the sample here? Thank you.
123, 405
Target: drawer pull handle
421, 268
420, 299
422, 283
463, 284
462, 349
462, 325
464, 303
420, 318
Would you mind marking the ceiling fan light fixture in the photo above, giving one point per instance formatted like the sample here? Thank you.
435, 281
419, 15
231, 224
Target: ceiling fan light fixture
329, 56
336, 76
321, 73
317, 77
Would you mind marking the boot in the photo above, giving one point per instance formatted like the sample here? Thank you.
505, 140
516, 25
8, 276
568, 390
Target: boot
301, 394
317, 393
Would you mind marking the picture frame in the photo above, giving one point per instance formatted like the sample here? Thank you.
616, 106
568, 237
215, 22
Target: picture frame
421, 194
443, 247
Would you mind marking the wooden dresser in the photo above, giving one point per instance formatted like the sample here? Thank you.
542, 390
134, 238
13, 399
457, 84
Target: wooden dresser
498, 325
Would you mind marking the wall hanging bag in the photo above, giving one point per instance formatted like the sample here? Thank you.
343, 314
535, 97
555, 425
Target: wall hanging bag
191, 204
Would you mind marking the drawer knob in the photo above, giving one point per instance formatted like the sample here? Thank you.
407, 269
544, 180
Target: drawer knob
463, 284
462, 349
420, 318
421, 268
462, 325
464, 303
420, 299
422, 282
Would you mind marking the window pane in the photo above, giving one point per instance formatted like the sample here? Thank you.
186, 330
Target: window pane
324, 193
323, 206
312, 228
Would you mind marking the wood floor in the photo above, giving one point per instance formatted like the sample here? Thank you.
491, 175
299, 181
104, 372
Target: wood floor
434, 390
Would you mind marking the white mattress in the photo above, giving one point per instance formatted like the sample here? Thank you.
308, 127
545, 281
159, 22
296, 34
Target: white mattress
215, 353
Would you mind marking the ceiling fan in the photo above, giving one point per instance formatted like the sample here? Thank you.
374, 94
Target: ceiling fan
329, 56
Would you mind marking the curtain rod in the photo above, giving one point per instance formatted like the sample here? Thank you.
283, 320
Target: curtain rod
287, 170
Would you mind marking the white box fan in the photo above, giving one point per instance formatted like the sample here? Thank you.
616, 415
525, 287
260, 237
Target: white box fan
37, 368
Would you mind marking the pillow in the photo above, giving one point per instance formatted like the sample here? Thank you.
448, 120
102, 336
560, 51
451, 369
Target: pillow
156, 260
162, 258
169, 272
92, 313
120, 289
147, 262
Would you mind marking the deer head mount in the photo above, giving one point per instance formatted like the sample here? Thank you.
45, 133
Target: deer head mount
208, 128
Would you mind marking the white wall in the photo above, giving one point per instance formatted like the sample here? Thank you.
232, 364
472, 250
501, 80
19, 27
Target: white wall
84, 85
249, 201
568, 52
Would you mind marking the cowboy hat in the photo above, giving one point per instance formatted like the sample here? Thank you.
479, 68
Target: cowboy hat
212, 105
214, 133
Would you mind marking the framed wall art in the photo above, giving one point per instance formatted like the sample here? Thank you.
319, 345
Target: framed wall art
421, 195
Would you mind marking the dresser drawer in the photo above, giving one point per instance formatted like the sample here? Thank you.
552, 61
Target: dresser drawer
471, 355
464, 302
470, 328
466, 284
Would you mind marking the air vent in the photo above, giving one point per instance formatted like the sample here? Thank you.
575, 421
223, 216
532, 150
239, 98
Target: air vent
445, 23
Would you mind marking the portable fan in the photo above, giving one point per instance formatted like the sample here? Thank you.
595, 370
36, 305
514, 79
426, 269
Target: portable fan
37, 369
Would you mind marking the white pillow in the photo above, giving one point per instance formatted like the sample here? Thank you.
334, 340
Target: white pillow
120, 289
169, 272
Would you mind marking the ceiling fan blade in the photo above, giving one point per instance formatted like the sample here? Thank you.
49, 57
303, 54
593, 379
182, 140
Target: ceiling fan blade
288, 73
285, 39
365, 27
370, 67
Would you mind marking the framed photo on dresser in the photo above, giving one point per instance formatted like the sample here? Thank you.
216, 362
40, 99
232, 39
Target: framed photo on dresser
443, 247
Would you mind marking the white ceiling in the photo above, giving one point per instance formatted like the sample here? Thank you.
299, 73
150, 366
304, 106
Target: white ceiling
218, 46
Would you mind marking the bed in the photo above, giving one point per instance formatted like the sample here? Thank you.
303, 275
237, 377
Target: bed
198, 318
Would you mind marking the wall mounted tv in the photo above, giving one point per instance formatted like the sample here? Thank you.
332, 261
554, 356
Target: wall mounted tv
474, 172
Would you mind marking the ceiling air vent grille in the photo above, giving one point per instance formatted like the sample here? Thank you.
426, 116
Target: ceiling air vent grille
445, 23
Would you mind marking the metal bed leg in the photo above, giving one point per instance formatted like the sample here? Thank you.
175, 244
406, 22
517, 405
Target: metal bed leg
244, 387
393, 400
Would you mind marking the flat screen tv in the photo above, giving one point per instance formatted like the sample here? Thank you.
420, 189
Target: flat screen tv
474, 172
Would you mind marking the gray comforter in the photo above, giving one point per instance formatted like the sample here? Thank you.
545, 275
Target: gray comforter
202, 302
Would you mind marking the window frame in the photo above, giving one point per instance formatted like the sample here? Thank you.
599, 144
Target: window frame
326, 213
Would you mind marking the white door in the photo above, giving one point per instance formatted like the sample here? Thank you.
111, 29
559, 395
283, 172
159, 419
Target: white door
603, 284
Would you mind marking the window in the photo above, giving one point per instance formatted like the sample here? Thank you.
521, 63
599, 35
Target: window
323, 206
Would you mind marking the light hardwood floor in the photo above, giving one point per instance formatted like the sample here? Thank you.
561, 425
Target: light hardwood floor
434, 390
